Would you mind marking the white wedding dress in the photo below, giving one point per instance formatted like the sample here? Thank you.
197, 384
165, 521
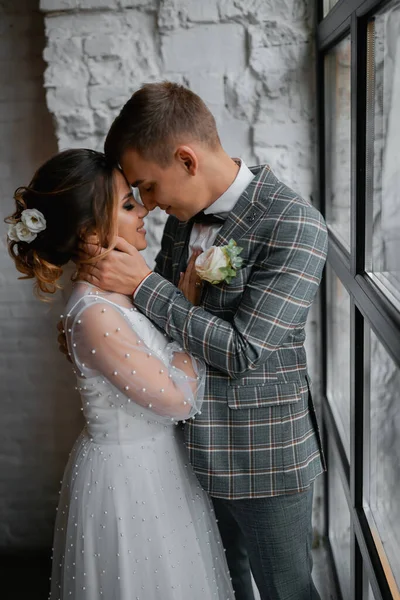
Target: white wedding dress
133, 522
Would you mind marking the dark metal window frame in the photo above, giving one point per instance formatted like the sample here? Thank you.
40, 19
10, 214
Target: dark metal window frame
369, 305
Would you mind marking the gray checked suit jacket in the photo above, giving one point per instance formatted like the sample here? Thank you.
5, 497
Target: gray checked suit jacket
257, 434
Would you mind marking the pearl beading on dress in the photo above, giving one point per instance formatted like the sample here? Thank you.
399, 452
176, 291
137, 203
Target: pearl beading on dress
130, 447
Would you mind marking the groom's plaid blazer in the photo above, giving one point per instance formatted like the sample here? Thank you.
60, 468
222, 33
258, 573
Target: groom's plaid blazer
257, 433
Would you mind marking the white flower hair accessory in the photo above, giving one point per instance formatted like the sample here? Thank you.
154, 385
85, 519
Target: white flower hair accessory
219, 263
32, 222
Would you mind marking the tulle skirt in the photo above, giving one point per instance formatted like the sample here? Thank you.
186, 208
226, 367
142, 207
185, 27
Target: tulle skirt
133, 523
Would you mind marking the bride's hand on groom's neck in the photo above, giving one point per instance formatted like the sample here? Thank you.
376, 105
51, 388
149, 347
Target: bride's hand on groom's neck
119, 270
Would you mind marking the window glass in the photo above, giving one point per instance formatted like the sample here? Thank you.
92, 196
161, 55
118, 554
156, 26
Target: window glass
383, 150
338, 140
383, 458
338, 371
339, 526
328, 5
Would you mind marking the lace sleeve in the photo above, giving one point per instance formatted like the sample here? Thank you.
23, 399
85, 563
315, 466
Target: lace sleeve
102, 341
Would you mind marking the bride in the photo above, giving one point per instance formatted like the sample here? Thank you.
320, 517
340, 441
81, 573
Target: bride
133, 522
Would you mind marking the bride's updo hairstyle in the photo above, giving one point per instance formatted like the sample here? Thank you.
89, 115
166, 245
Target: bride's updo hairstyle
74, 191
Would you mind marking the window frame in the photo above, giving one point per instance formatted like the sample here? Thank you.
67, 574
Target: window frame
370, 307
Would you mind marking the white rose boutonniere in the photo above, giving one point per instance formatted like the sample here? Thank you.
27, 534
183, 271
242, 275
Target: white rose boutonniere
219, 263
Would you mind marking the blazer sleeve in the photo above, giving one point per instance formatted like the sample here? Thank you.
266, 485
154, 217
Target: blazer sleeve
275, 302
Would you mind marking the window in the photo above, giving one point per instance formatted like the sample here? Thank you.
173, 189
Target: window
358, 70
338, 136
339, 526
338, 359
369, 594
383, 151
328, 5
382, 493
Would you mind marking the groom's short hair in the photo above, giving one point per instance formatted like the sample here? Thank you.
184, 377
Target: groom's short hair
155, 118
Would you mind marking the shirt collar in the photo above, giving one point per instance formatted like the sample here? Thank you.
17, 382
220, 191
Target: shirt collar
226, 202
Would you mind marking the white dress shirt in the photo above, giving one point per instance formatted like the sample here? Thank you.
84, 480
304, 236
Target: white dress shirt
203, 236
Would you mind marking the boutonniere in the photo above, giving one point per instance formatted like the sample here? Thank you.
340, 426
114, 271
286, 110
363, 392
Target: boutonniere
219, 263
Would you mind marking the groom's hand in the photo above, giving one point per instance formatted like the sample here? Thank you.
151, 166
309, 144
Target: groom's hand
121, 270
190, 283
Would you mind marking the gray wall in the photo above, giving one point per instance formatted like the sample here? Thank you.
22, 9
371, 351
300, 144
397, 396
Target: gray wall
39, 412
251, 61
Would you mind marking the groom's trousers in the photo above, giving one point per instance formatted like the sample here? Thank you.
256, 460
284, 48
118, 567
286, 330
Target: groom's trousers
274, 535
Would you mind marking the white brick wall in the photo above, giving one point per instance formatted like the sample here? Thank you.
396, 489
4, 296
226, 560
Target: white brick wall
250, 60
252, 63
39, 411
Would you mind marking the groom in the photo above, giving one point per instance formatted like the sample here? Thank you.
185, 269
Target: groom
255, 447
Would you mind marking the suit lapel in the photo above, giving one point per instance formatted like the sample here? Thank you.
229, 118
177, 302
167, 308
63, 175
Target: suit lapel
245, 213
247, 209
